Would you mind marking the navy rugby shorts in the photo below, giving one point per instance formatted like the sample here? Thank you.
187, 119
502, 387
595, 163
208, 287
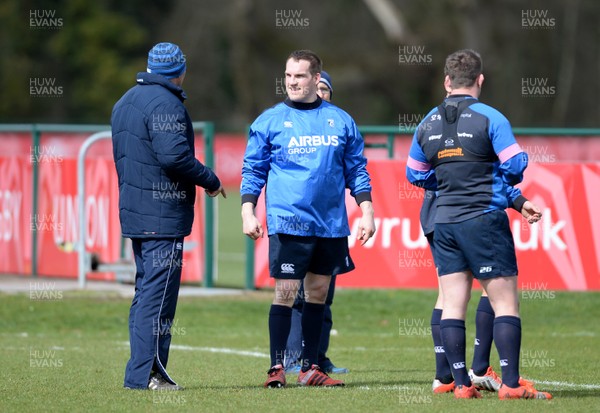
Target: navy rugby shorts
292, 256
484, 245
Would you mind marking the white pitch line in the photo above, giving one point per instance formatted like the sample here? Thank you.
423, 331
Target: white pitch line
223, 350
570, 385
558, 384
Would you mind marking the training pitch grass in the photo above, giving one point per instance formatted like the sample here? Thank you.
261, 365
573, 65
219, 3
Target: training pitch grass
68, 352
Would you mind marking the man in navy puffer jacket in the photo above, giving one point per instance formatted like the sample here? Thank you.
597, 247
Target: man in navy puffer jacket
153, 149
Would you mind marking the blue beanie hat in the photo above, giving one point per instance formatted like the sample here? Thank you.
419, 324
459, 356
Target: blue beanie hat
325, 78
166, 59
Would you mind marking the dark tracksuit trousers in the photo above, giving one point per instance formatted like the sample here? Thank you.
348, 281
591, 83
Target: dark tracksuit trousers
158, 275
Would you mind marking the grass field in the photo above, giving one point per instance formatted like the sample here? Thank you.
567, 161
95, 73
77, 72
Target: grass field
231, 243
69, 353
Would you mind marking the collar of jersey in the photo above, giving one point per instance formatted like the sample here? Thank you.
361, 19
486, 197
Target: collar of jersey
303, 105
460, 96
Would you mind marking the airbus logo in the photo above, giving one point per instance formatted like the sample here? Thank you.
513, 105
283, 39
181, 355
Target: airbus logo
434, 137
314, 140
287, 268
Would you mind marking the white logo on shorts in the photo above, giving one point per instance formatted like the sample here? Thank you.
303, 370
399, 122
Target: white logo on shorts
287, 268
439, 349
483, 270
503, 363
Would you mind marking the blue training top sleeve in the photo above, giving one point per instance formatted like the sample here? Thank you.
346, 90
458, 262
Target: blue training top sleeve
513, 160
355, 166
256, 164
418, 169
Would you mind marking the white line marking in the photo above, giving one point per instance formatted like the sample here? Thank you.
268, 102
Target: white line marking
223, 350
558, 384
570, 385
576, 334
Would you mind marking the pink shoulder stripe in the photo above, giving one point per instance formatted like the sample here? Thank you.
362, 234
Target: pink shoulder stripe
509, 152
418, 166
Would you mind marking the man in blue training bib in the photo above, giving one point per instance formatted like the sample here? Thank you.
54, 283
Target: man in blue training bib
306, 151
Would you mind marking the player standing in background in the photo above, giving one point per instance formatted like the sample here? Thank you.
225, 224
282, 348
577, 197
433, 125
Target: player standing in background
153, 149
294, 344
306, 151
469, 154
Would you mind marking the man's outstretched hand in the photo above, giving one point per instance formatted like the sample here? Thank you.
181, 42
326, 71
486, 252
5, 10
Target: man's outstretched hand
213, 194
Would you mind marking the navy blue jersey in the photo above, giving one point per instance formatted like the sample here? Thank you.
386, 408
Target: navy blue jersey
471, 165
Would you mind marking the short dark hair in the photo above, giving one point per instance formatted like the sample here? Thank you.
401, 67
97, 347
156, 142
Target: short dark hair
463, 67
315, 61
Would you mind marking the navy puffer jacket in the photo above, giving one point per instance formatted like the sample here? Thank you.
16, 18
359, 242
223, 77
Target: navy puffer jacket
153, 149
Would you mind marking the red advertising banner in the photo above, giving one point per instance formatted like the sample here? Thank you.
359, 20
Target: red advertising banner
16, 189
561, 252
229, 151
56, 221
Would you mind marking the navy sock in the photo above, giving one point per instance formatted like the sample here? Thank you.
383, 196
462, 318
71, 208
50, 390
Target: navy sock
442, 368
325, 335
507, 335
453, 334
312, 323
484, 335
280, 321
